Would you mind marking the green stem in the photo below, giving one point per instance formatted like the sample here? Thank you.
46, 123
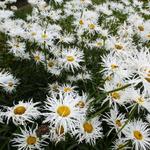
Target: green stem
118, 89
121, 147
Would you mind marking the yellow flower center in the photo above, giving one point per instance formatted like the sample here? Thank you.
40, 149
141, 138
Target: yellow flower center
19, 110
148, 35
138, 135
108, 78
88, 127
80, 104
60, 130
63, 111
115, 95
140, 100
70, 58
33, 33
141, 28
118, 46
31, 140
99, 44
92, 26
50, 64
17, 45
81, 22
67, 89
118, 123
37, 58
55, 88
114, 66
10, 84
44, 36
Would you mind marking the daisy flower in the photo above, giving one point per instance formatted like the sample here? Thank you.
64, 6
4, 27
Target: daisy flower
139, 133
22, 112
57, 133
83, 102
68, 89
120, 97
93, 28
8, 82
62, 110
66, 38
114, 64
120, 144
89, 131
84, 76
18, 48
5, 14
53, 66
139, 64
115, 120
38, 57
54, 88
118, 44
27, 139
71, 59
96, 44
140, 98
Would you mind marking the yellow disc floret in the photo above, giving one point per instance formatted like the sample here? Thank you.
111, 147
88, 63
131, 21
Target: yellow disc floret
19, 110
70, 58
63, 111
115, 95
80, 104
118, 123
31, 140
138, 135
88, 127
92, 26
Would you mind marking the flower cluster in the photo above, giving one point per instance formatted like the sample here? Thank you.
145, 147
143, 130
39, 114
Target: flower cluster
90, 61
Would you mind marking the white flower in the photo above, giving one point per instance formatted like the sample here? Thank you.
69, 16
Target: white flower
120, 144
68, 89
119, 97
66, 38
89, 131
57, 133
5, 14
18, 48
38, 56
139, 64
139, 133
119, 44
28, 139
115, 64
98, 43
62, 111
103, 8
140, 98
53, 66
22, 112
71, 59
115, 120
54, 88
8, 82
